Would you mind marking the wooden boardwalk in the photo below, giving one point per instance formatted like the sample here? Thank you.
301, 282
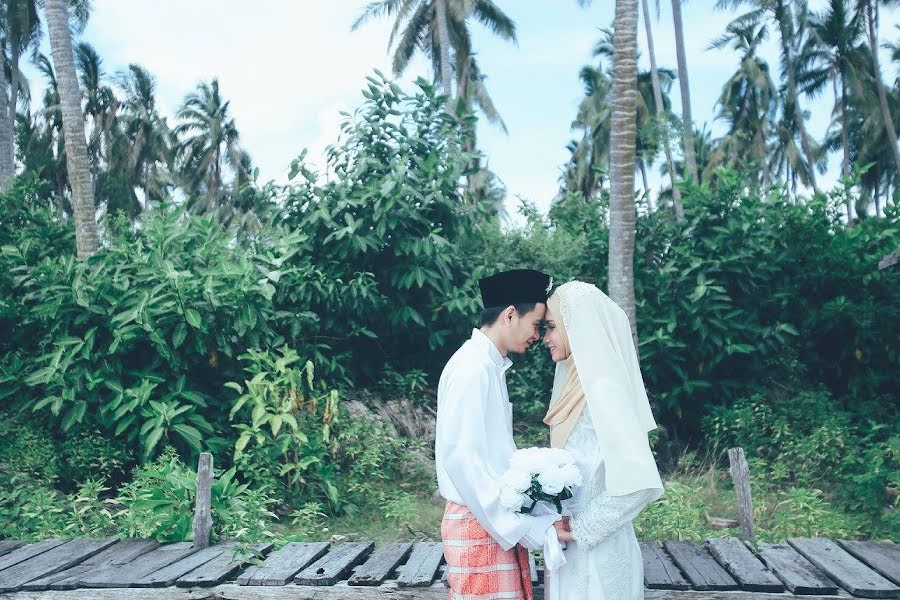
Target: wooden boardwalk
111, 569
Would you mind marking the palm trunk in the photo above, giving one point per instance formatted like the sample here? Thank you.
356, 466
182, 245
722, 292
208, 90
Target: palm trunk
878, 199
10, 149
622, 157
782, 14
661, 112
882, 94
690, 160
845, 142
845, 135
444, 41
6, 165
57, 12
642, 167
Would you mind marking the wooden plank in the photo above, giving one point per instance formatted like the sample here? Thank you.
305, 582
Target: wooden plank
169, 574
223, 566
202, 524
421, 568
119, 553
699, 567
335, 565
281, 566
27, 551
381, 564
660, 573
883, 557
295, 592
54, 560
750, 573
849, 573
889, 260
740, 475
798, 574
128, 574
7, 546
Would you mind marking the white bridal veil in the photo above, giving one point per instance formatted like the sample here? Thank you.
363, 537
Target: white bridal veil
604, 354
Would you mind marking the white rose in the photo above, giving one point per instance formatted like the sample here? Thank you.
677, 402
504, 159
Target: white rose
571, 475
551, 481
518, 479
510, 498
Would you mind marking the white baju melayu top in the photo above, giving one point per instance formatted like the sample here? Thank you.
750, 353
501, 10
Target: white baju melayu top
474, 442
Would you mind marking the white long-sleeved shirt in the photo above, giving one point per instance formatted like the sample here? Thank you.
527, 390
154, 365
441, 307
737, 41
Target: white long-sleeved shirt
474, 442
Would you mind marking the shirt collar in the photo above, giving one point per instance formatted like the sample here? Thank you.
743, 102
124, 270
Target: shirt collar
485, 343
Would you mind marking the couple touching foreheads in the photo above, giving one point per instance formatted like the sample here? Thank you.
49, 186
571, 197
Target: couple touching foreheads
598, 411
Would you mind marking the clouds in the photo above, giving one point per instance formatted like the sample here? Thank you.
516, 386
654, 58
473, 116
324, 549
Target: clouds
289, 67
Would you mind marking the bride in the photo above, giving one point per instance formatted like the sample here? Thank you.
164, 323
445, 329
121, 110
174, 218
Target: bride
599, 412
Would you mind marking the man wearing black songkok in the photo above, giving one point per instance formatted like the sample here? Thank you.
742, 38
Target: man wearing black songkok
485, 544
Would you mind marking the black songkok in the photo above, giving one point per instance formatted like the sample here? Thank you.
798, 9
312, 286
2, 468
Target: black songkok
519, 286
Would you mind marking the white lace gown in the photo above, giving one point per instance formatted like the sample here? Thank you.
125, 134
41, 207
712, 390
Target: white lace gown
605, 563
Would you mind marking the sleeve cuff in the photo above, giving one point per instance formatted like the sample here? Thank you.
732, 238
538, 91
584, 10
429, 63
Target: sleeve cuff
536, 533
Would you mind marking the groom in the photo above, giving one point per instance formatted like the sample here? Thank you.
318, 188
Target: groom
485, 544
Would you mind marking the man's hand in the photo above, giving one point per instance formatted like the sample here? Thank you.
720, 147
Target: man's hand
563, 533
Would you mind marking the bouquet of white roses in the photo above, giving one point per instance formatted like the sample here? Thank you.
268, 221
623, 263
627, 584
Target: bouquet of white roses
539, 475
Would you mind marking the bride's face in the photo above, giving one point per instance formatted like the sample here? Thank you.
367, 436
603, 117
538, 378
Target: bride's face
554, 339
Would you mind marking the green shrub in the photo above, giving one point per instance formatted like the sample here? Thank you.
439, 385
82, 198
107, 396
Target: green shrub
159, 503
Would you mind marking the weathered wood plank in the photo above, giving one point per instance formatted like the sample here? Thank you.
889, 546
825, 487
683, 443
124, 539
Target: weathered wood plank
751, 574
849, 573
235, 592
7, 546
281, 566
202, 524
381, 564
699, 567
798, 574
740, 475
27, 551
119, 553
169, 574
52, 561
222, 566
421, 568
335, 565
889, 260
883, 557
660, 573
128, 574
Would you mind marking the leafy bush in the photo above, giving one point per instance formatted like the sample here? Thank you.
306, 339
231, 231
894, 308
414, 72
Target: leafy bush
159, 504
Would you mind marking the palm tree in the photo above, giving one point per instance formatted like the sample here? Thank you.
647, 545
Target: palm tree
22, 32
207, 146
782, 13
439, 29
870, 10
589, 159
622, 135
748, 102
835, 53
146, 132
660, 109
590, 154
684, 86
57, 14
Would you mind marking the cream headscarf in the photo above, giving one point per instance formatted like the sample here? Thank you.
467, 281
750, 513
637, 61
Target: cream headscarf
603, 374
565, 410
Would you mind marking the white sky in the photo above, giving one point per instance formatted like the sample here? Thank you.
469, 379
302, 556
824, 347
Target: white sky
290, 67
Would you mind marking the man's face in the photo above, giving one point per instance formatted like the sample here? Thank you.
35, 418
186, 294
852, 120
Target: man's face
525, 329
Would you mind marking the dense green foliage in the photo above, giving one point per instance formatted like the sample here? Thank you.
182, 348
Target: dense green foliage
762, 322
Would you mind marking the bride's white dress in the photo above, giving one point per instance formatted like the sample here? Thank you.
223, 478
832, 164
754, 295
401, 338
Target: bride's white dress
605, 563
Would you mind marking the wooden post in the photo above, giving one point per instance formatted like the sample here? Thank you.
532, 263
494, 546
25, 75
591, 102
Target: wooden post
202, 508
740, 475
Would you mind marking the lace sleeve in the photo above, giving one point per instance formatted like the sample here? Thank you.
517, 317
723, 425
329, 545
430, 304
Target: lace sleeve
603, 515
